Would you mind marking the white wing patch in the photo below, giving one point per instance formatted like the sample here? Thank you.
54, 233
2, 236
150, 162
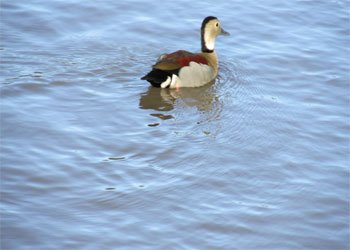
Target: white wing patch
194, 75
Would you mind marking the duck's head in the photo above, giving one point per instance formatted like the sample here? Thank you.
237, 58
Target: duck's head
210, 29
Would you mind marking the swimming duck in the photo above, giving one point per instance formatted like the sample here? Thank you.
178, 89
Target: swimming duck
185, 69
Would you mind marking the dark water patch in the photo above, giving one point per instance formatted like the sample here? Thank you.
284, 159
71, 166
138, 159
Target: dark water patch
116, 158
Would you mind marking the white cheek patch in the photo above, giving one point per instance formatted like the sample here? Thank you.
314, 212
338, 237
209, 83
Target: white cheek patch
210, 43
209, 40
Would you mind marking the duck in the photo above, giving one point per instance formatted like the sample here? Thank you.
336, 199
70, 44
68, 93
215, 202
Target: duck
185, 69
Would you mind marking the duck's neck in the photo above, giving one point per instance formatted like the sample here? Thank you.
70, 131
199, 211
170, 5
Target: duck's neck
208, 41
212, 59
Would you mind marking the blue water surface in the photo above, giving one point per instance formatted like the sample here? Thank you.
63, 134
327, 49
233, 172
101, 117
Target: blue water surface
92, 157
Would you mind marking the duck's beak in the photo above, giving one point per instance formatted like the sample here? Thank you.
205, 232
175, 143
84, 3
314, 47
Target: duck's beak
224, 33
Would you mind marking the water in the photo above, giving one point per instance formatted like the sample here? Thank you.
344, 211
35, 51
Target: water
94, 158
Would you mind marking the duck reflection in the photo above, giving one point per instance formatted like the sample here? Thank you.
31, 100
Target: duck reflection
203, 98
157, 99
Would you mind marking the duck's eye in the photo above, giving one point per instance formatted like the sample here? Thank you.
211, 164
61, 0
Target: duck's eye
217, 24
